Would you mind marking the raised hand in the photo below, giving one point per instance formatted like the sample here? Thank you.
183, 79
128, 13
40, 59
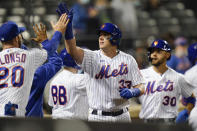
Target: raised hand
62, 8
61, 24
41, 33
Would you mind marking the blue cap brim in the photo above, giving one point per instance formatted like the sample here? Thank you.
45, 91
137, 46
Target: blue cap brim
21, 29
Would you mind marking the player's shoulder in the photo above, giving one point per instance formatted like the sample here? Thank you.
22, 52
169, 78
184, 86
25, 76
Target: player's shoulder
127, 56
80, 77
171, 72
91, 52
147, 71
191, 71
12, 50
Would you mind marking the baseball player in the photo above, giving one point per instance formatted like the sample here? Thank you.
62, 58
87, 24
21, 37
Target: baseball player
110, 71
42, 75
67, 94
191, 75
18, 66
163, 88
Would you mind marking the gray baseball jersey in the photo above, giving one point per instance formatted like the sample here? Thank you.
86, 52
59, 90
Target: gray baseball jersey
162, 93
17, 67
67, 95
107, 76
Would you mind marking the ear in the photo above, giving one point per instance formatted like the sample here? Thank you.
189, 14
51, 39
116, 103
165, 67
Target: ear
168, 55
17, 40
14, 40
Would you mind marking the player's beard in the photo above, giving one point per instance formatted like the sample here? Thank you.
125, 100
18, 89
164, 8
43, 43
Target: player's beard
19, 43
158, 62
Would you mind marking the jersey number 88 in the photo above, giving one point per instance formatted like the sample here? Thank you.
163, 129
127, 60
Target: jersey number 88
59, 95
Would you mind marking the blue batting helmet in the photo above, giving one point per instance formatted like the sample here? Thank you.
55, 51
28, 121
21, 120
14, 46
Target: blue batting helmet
114, 31
192, 53
68, 61
159, 44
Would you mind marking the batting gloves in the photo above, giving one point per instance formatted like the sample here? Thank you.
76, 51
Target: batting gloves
129, 93
10, 109
62, 8
182, 116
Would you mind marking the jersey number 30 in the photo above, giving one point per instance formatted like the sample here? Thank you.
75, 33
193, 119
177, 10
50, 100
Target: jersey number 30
169, 101
16, 74
59, 95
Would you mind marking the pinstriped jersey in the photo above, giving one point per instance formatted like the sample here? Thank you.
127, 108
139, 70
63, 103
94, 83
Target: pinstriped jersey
67, 95
162, 92
17, 67
107, 76
191, 76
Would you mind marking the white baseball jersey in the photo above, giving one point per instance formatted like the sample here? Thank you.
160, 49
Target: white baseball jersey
17, 67
191, 76
67, 95
107, 76
162, 93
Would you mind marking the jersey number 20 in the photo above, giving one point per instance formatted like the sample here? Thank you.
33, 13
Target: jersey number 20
59, 95
13, 73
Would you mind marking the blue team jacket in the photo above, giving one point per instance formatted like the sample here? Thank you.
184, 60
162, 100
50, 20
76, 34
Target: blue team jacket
42, 75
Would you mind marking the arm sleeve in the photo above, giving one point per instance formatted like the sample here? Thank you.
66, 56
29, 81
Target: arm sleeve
52, 45
45, 72
88, 61
136, 76
186, 87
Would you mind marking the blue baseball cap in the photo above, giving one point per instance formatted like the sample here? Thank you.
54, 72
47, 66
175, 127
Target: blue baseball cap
180, 41
68, 61
160, 44
192, 52
10, 30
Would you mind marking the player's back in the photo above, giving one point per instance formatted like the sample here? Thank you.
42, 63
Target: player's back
68, 96
17, 67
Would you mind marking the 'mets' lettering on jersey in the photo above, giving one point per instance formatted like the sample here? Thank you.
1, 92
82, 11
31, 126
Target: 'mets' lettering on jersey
150, 87
104, 71
12, 58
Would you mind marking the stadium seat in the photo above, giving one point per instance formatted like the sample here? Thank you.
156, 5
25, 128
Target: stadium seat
39, 10
3, 11
18, 11
161, 13
15, 18
175, 6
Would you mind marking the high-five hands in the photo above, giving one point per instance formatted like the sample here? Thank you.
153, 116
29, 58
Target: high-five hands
41, 33
61, 24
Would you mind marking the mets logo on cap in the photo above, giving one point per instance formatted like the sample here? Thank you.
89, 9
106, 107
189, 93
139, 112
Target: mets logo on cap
155, 43
102, 26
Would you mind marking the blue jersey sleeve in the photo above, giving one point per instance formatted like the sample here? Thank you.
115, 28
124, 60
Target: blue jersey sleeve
45, 72
52, 45
42, 75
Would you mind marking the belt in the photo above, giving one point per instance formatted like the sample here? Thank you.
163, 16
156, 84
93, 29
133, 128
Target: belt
160, 120
113, 113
